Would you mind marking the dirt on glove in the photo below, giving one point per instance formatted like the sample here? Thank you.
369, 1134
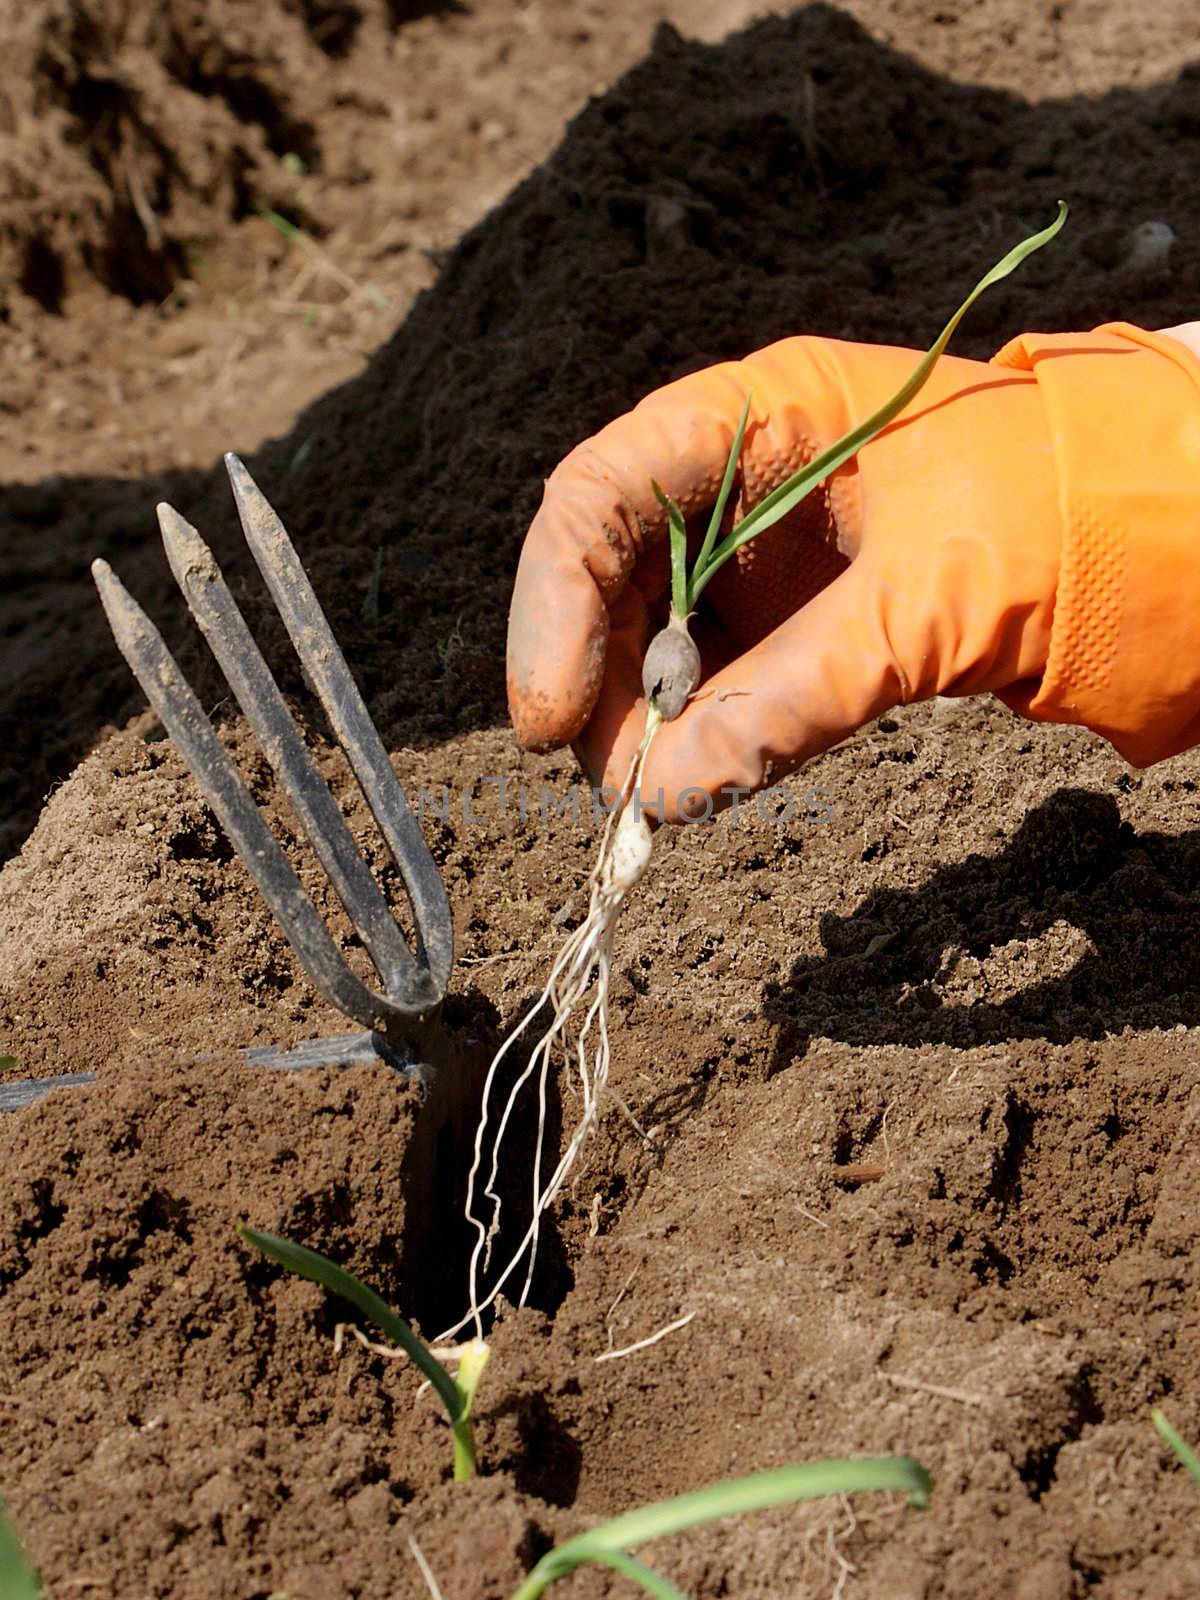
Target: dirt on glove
912, 1046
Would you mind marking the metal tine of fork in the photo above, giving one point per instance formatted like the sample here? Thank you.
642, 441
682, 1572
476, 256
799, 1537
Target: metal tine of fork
231, 642
339, 1049
184, 718
13, 1096
326, 669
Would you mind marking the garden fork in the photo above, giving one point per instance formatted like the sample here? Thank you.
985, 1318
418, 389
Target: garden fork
401, 1019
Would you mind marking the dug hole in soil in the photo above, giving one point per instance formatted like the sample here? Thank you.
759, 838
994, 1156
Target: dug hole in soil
918, 1064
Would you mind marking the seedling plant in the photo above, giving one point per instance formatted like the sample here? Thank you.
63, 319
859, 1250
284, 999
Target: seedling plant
610, 1544
457, 1394
1183, 1453
574, 1001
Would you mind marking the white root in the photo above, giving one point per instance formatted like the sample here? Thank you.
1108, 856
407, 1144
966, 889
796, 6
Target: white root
630, 853
584, 963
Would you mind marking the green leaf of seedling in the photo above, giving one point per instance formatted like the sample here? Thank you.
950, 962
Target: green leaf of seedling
289, 230
790, 493
722, 500
1184, 1453
8, 1063
807, 1481
677, 533
456, 1397
645, 1577
319, 1269
370, 605
18, 1580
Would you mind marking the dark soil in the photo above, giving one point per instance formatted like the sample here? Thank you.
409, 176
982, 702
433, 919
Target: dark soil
919, 1066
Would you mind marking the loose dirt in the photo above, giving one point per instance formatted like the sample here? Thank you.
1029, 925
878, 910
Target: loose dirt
917, 1064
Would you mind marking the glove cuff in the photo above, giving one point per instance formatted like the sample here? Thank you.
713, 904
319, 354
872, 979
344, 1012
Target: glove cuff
1124, 657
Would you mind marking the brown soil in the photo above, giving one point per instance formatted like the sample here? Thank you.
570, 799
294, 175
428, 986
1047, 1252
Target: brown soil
921, 1082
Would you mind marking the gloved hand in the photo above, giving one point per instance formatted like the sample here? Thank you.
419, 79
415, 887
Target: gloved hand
1029, 526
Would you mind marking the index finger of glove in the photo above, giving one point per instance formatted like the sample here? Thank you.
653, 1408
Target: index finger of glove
598, 517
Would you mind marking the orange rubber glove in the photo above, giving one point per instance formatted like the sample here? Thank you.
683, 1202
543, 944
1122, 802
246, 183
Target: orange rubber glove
1029, 526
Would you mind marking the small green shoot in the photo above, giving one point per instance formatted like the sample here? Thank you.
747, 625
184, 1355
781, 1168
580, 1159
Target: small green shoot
686, 589
18, 1580
456, 1394
280, 223
8, 1063
370, 605
321, 261
609, 1545
450, 644
1184, 1453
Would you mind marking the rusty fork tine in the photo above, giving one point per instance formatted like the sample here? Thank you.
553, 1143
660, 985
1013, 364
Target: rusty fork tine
184, 719
255, 690
326, 669
15, 1095
413, 986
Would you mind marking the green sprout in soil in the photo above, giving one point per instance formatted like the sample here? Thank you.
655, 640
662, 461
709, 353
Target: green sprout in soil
320, 261
609, 1545
18, 1580
457, 1394
1184, 1453
575, 998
